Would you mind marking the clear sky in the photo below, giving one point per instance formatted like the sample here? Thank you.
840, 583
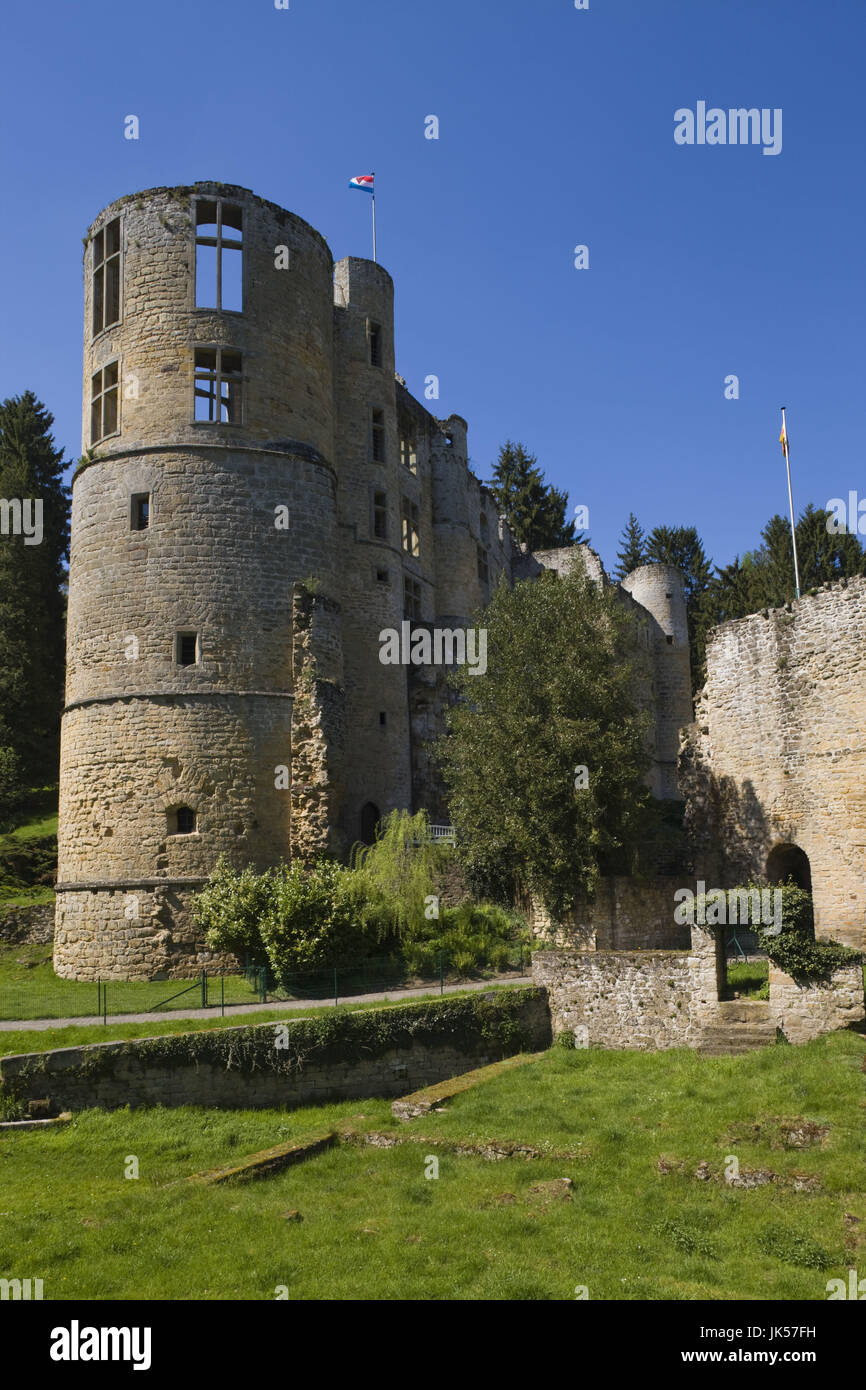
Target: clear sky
556, 129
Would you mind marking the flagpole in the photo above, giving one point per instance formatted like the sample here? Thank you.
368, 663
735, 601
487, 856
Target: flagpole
791, 504
374, 219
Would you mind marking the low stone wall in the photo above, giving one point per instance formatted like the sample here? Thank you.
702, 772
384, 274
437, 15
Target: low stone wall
660, 999
27, 925
804, 1011
381, 1052
626, 914
635, 999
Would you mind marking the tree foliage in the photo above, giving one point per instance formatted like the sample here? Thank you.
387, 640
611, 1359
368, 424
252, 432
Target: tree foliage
557, 696
32, 603
633, 552
535, 510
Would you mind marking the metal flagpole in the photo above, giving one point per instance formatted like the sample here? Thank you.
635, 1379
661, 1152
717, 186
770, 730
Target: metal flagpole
374, 216
791, 503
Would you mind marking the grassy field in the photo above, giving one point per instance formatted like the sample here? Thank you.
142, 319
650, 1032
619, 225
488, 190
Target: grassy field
28, 853
749, 979
372, 1226
30, 989
74, 1035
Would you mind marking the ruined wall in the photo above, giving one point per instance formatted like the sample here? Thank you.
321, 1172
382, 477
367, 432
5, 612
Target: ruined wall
630, 1000
777, 752
807, 1010
626, 914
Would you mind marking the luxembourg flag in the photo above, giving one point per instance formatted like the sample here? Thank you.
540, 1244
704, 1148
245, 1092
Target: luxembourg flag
365, 182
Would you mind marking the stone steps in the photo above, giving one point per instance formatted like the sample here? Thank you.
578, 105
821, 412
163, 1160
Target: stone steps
740, 1025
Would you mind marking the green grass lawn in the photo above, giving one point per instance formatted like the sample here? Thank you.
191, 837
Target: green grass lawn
29, 851
749, 979
30, 989
75, 1035
373, 1227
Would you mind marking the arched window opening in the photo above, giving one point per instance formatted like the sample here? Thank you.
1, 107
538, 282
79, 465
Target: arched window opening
370, 818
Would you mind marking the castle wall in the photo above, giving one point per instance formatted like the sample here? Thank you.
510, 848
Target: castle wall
777, 753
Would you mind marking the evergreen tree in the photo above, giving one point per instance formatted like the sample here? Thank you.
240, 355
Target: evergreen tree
633, 553
764, 578
535, 510
32, 600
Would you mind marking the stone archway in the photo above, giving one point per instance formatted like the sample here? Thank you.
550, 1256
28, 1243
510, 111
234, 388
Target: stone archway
786, 862
370, 818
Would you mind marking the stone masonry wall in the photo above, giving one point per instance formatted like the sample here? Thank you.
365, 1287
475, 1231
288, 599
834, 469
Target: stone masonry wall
627, 914
777, 753
805, 1011
27, 925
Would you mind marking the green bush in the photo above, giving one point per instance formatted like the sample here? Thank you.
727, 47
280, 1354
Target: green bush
230, 910
793, 948
317, 915
401, 869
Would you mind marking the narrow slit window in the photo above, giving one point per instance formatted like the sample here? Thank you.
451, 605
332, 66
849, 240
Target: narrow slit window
186, 648
377, 441
409, 454
380, 516
483, 565
218, 386
140, 515
411, 598
104, 402
106, 276
374, 335
411, 541
218, 255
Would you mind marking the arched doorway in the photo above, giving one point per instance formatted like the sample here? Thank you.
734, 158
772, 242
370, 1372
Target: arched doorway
370, 818
786, 862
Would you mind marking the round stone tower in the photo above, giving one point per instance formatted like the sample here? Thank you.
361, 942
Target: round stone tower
205, 493
659, 589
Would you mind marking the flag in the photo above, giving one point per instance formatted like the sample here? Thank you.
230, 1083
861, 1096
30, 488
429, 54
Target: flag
365, 182
783, 438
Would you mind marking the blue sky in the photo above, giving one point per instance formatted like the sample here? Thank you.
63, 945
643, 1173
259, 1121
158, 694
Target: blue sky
556, 129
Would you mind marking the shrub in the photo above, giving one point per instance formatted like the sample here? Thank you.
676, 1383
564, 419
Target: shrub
317, 916
230, 910
401, 869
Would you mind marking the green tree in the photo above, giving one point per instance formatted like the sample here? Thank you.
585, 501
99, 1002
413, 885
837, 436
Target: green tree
534, 509
683, 547
764, 578
557, 697
32, 599
633, 542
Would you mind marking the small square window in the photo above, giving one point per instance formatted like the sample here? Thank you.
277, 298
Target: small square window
186, 648
182, 821
382, 577
140, 514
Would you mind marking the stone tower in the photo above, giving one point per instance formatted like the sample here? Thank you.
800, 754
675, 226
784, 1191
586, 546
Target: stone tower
207, 492
660, 592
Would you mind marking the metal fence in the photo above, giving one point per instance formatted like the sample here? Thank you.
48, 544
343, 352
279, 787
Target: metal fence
254, 985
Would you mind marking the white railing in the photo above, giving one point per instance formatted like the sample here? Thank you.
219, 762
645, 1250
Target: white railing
443, 832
